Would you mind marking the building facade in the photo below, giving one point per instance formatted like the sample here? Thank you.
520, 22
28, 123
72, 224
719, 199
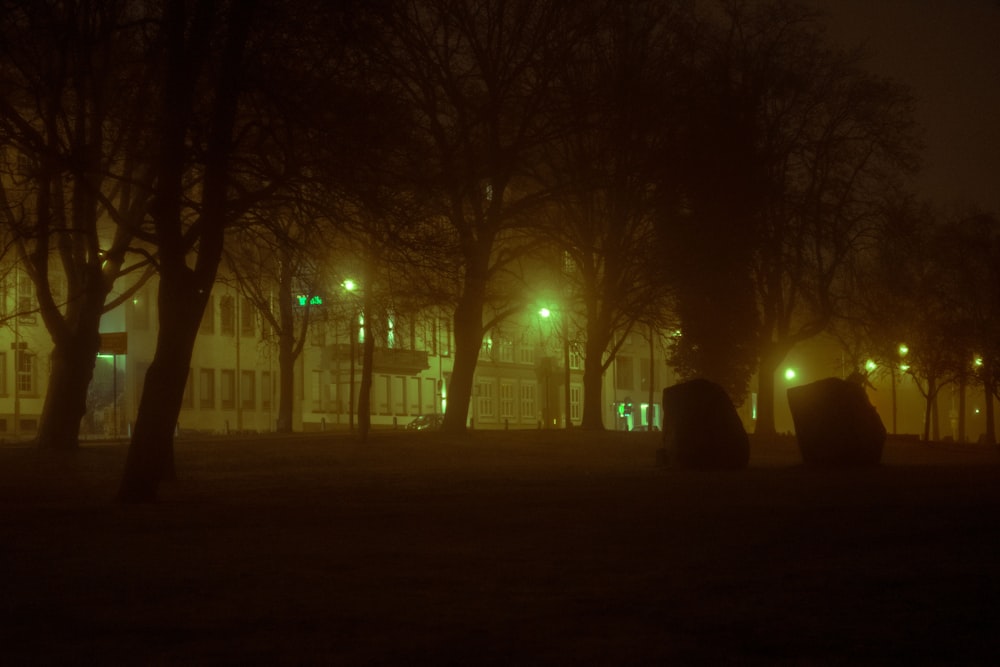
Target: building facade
521, 377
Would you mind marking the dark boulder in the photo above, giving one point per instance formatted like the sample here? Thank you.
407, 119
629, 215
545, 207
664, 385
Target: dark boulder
701, 428
836, 424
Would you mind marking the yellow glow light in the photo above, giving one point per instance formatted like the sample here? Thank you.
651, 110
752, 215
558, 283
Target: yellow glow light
790, 373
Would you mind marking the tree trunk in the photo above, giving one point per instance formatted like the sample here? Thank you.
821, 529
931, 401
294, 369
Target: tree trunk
929, 406
990, 389
72, 369
150, 454
286, 381
650, 411
770, 360
961, 410
593, 374
468, 341
365, 395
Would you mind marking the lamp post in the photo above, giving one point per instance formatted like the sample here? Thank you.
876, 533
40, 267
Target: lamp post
564, 328
350, 286
901, 351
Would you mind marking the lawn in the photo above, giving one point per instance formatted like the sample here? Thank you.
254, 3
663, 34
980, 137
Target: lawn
526, 548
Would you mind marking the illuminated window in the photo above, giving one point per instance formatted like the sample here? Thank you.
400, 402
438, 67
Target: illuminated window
486, 349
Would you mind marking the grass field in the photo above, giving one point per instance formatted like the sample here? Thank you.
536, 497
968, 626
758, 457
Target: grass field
522, 548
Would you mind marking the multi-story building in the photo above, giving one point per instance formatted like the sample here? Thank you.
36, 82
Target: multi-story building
520, 381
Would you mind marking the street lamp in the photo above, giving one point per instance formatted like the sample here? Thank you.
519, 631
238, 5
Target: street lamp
901, 351
547, 313
351, 287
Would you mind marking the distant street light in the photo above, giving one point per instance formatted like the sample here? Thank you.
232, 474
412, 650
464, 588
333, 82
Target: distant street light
790, 374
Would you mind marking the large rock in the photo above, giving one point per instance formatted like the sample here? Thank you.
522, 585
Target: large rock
836, 424
701, 428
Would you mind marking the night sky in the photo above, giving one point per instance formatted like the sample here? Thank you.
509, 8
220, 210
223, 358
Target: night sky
948, 52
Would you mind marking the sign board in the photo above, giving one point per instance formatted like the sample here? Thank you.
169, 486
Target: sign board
114, 343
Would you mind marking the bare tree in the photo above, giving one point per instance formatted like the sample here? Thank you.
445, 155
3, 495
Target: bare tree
476, 76
70, 119
619, 92
833, 140
200, 80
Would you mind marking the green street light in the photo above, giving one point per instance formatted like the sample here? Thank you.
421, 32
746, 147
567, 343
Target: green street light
790, 374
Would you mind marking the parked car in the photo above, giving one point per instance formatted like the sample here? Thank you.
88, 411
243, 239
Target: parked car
425, 423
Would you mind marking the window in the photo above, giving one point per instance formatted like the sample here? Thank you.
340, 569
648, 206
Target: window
25, 372
413, 395
206, 387
506, 350
575, 360
208, 317
525, 354
25, 300
247, 327
316, 390
486, 349
248, 398
383, 393
624, 372
265, 390
227, 316
644, 374
527, 401
487, 404
507, 401
575, 401
3, 373
228, 389
398, 395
